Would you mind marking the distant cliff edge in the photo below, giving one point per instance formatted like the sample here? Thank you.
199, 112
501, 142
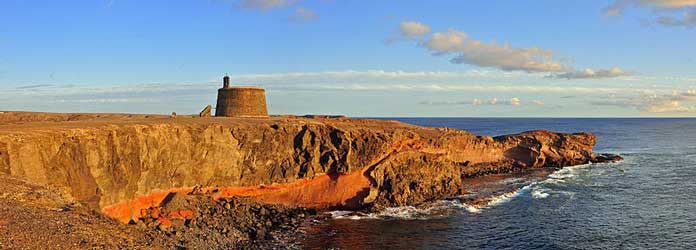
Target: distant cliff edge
124, 163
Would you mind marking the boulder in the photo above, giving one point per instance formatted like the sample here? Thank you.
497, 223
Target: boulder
207, 111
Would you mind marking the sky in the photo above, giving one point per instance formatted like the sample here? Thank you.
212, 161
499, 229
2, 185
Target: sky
379, 58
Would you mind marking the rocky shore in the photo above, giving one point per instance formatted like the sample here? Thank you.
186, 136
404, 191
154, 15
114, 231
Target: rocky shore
40, 217
196, 221
189, 182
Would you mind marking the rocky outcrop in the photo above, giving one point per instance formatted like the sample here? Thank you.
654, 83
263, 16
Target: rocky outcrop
197, 222
206, 112
40, 217
127, 164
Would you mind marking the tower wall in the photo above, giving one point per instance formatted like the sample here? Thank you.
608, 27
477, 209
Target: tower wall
241, 102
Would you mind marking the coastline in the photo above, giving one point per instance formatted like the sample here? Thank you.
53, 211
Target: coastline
355, 164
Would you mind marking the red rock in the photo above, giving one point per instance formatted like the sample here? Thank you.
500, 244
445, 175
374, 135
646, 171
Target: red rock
125, 163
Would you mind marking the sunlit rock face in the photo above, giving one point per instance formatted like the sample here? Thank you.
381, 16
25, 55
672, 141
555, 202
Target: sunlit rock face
125, 163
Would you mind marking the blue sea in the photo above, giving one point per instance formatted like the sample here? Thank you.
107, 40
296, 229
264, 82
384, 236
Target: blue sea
648, 201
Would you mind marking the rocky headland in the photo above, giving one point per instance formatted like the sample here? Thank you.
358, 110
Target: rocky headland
183, 181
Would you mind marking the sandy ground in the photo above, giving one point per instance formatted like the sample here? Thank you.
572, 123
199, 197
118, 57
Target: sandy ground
36, 217
36, 121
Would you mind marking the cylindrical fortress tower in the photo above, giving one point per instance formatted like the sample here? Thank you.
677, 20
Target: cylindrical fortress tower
241, 101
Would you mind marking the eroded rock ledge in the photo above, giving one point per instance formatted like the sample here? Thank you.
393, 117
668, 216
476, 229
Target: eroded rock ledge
126, 164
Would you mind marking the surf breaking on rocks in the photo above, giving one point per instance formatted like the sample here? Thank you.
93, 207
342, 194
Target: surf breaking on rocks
537, 189
127, 165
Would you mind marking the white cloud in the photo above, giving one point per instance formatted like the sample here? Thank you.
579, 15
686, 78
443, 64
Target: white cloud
515, 101
504, 57
669, 107
687, 8
368, 80
474, 88
688, 19
538, 102
412, 29
677, 102
670, 4
300, 14
593, 74
264, 4
493, 101
478, 102
304, 15
618, 7
106, 100
445, 103
456, 87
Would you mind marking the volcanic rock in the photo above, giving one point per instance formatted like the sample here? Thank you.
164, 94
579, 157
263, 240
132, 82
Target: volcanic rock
123, 164
207, 112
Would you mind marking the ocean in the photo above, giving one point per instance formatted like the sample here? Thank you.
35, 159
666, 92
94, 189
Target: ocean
647, 201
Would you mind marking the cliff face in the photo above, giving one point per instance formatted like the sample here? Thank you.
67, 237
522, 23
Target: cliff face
122, 163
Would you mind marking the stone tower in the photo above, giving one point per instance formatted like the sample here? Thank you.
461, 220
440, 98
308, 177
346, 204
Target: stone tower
240, 101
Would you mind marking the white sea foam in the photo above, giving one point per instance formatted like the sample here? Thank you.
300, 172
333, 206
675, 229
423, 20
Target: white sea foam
539, 193
553, 181
563, 173
499, 199
566, 193
461, 205
340, 214
440, 208
538, 190
503, 198
545, 188
472, 209
433, 210
346, 215
404, 213
436, 209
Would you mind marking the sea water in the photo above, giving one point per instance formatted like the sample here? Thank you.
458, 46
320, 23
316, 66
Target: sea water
647, 201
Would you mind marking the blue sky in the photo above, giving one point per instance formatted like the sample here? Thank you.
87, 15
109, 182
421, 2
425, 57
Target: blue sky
360, 58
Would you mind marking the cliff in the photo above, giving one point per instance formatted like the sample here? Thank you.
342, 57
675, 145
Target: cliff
123, 164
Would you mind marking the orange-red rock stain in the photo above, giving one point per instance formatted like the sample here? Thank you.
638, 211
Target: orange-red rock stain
319, 192
325, 191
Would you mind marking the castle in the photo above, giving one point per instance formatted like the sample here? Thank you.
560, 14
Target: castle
240, 101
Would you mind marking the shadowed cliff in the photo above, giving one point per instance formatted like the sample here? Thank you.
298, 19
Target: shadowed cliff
123, 164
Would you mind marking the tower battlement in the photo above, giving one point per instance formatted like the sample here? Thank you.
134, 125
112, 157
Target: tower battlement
241, 101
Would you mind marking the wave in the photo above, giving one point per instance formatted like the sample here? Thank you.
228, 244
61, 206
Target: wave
561, 175
538, 190
433, 210
565, 173
539, 194
505, 197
